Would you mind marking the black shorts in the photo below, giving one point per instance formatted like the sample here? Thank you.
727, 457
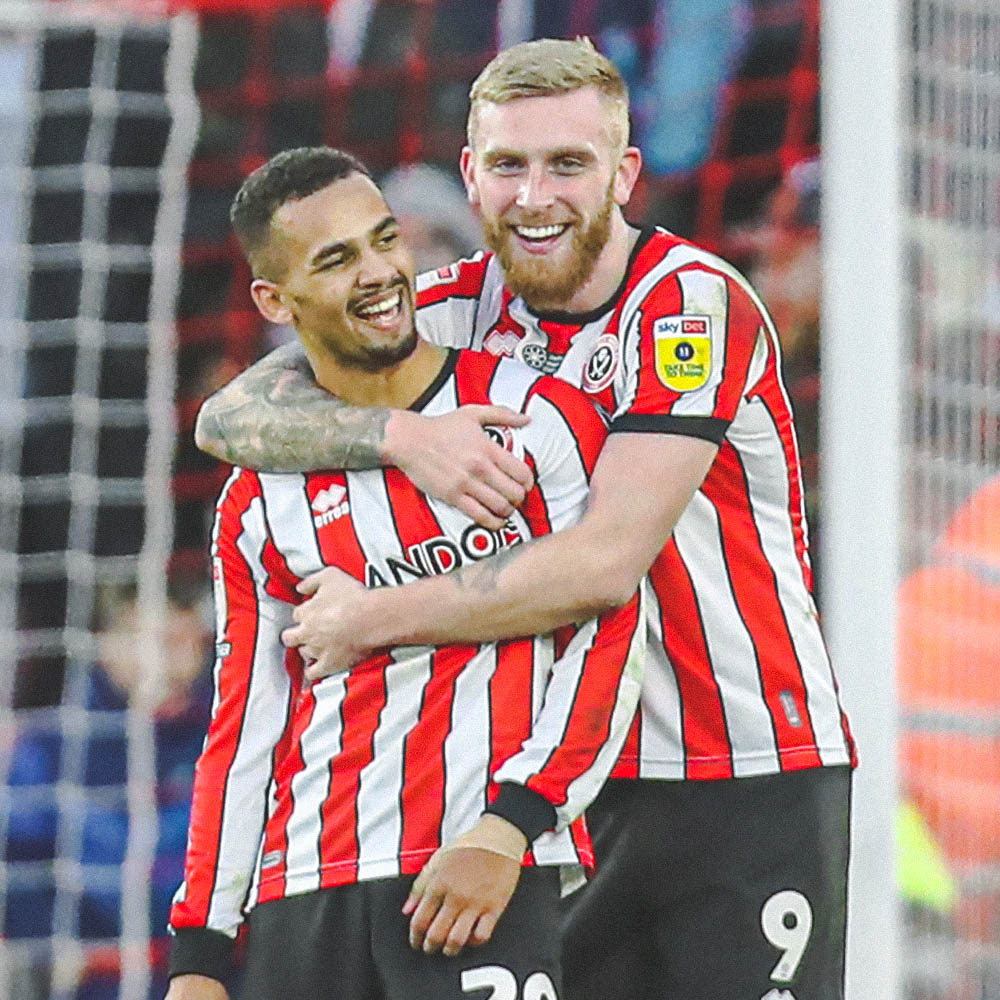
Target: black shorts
352, 943
714, 890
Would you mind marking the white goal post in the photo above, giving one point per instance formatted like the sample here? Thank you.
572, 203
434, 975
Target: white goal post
861, 50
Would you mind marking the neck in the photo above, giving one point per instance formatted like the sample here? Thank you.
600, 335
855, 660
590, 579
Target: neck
609, 270
397, 387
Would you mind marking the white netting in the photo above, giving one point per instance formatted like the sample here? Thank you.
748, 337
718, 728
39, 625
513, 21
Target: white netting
949, 624
97, 124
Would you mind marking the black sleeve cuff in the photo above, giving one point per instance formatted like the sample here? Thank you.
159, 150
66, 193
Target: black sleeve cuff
710, 428
529, 811
201, 952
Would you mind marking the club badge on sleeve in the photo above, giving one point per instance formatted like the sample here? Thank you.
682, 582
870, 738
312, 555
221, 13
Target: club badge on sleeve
683, 351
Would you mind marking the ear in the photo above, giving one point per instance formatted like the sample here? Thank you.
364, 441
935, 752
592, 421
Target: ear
270, 303
626, 175
467, 164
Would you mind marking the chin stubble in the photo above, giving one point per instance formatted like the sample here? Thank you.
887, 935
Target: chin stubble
375, 358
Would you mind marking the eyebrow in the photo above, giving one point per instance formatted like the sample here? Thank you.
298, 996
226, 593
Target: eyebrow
581, 152
324, 253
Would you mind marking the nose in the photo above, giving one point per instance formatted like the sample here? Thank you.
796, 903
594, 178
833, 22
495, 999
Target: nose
375, 268
535, 190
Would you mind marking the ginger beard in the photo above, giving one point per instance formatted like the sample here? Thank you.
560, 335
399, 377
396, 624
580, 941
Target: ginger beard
543, 282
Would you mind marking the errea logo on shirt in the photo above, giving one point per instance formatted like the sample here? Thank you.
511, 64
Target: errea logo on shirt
329, 504
502, 344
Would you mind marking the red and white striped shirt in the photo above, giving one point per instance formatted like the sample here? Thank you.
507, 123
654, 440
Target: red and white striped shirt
737, 680
364, 774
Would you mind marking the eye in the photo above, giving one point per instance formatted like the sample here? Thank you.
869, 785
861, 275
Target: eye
568, 165
506, 166
337, 260
387, 240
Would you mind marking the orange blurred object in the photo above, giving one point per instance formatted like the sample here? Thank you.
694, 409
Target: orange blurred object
949, 690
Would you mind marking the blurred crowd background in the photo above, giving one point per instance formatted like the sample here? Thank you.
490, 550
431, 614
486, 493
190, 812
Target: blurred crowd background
725, 107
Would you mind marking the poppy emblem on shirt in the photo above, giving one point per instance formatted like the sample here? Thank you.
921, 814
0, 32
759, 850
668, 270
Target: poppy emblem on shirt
602, 365
538, 357
683, 346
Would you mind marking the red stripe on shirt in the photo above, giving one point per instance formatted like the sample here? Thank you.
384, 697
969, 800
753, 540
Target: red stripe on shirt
589, 724
708, 753
276, 833
338, 544
755, 592
769, 390
233, 684
510, 702
363, 703
423, 792
467, 283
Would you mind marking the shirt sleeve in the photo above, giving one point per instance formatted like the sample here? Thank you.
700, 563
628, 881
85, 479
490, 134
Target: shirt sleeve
692, 348
593, 688
455, 303
250, 713
448, 302
586, 713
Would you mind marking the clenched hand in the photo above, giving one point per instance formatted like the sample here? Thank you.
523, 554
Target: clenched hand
452, 459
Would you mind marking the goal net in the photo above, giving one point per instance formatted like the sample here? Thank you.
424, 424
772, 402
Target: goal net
949, 628
911, 480
97, 124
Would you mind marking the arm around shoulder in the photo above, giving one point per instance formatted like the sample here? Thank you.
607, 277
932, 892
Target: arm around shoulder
274, 417
639, 489
641, 486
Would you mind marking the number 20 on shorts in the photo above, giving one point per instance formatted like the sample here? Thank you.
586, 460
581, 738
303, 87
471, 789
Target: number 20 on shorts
503, 983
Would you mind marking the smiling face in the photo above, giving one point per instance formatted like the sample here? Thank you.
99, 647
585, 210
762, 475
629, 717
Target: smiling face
346, 278
548, 176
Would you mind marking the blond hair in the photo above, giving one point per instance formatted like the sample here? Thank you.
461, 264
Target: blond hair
550, 66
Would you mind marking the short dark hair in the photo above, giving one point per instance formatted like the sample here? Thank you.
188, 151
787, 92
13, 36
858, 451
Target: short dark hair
287, 176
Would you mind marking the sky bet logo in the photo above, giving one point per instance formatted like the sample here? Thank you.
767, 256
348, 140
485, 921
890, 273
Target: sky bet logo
672, 326
441, 555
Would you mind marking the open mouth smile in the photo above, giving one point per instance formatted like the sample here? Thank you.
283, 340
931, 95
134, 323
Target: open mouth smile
541, 235
383, 310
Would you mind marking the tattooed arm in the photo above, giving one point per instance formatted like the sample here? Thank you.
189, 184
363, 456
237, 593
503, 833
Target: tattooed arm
275, 418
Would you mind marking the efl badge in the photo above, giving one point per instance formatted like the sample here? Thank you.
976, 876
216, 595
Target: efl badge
683, 351
599, 371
